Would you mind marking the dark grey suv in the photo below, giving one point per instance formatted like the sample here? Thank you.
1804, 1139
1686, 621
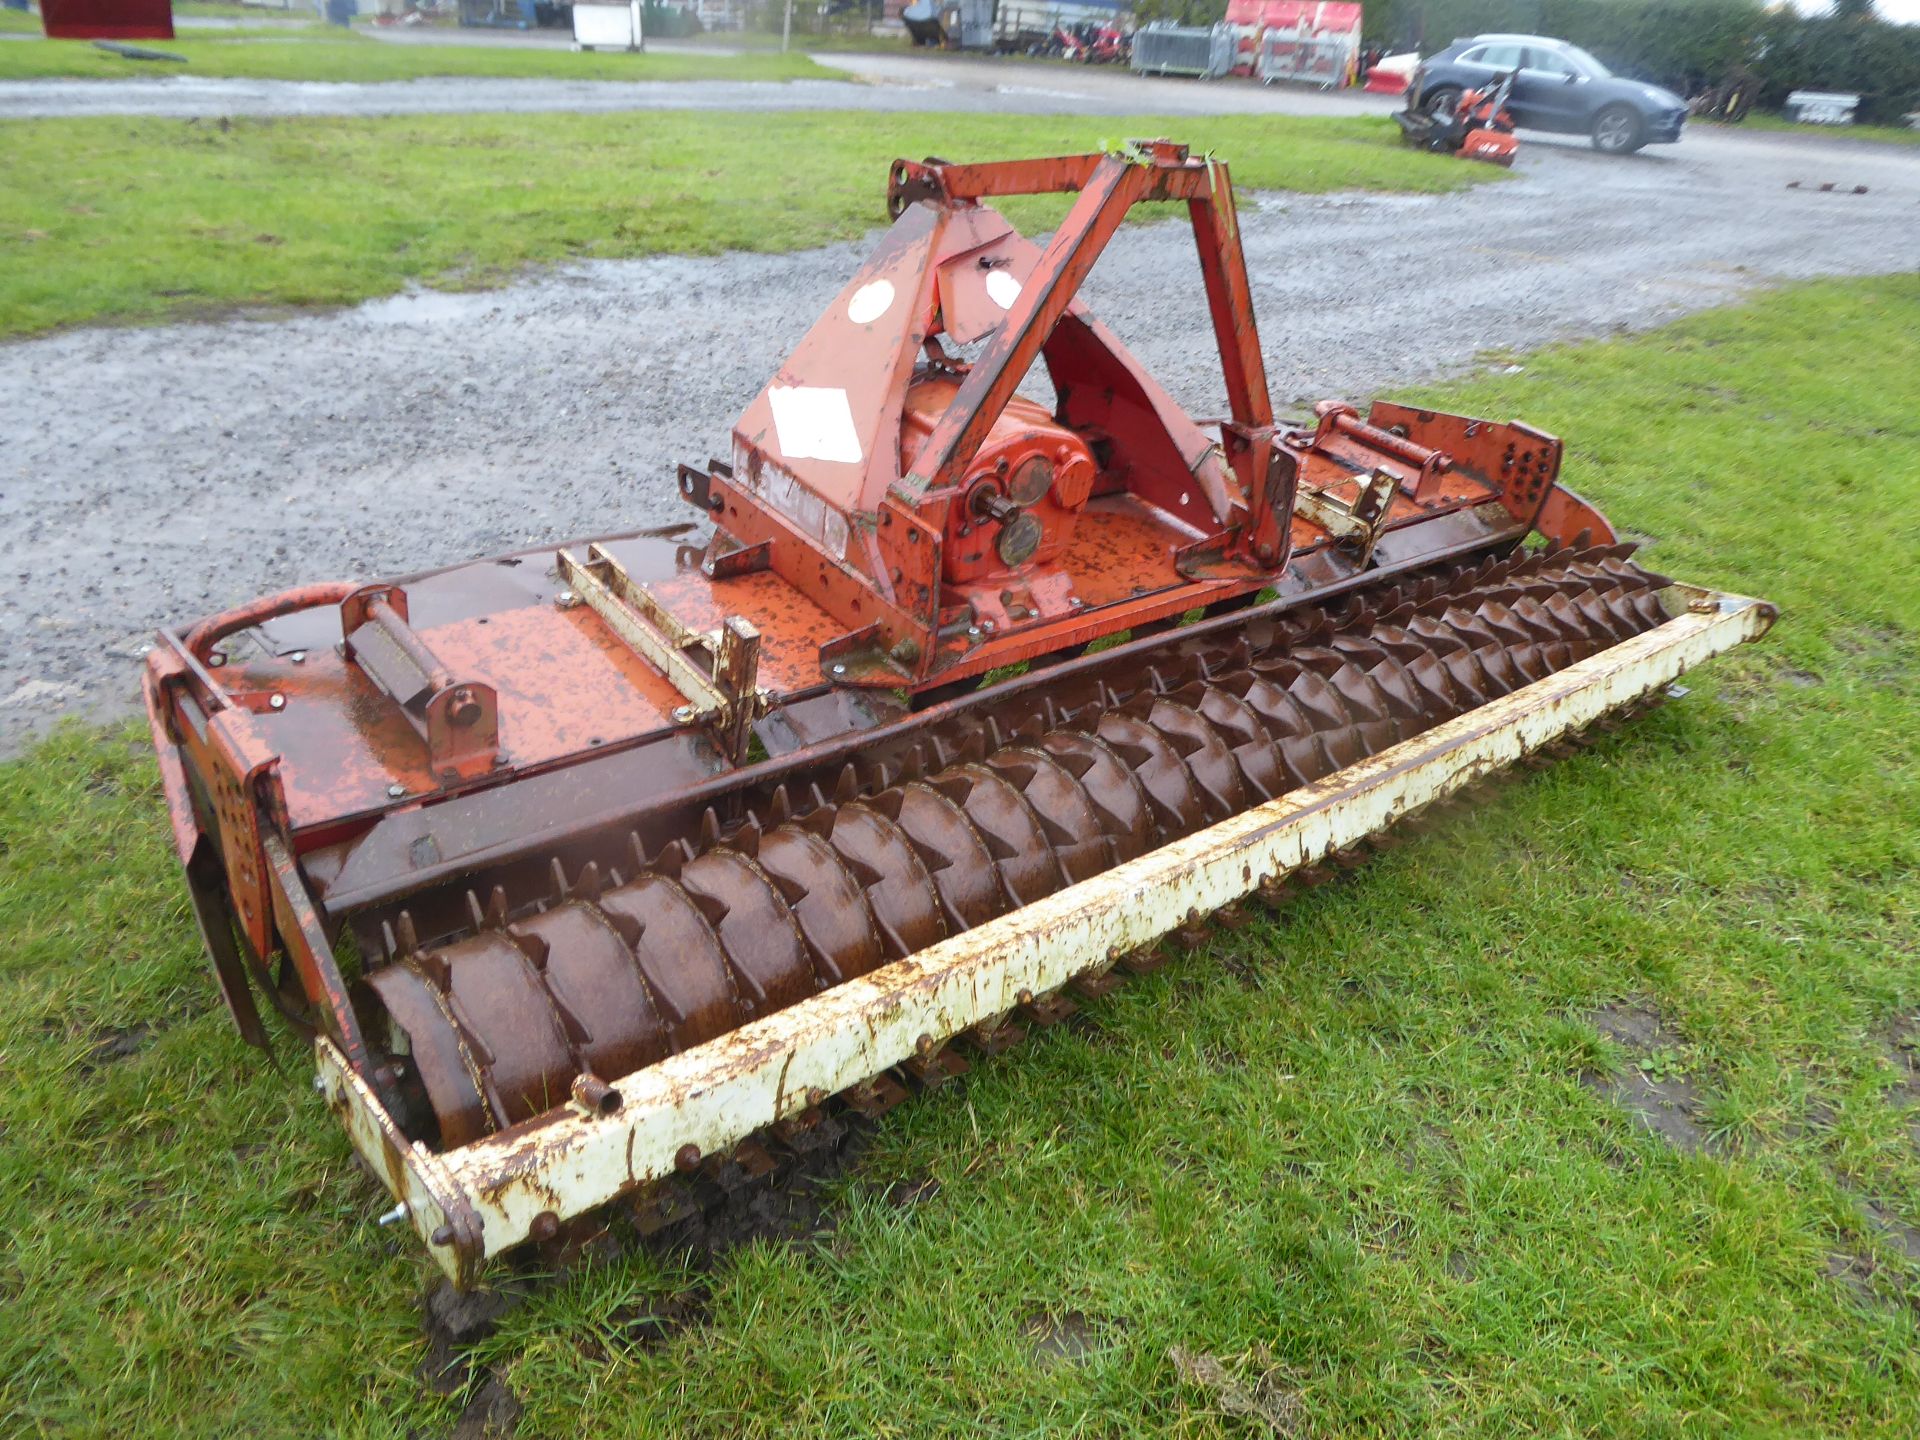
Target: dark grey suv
1557, 87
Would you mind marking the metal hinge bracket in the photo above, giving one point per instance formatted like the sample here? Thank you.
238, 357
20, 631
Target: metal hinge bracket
719, 680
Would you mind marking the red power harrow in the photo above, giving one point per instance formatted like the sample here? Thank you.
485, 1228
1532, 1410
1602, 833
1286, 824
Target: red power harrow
613, 872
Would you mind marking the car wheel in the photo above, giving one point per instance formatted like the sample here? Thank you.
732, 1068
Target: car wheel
1618, 130
1442, 101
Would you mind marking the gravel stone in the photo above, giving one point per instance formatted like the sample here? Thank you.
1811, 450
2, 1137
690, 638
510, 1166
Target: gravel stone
155, 475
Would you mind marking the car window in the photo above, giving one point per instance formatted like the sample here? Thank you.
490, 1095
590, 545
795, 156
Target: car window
1470, 57
1586, 64
1548, 62
1500, 57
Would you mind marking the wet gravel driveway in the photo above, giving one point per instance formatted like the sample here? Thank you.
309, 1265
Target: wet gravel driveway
157, 474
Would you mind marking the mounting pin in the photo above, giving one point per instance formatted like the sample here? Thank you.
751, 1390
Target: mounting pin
566, 599
395, 791
684, 714
395, 1215
276, 702
839, 669
298, 657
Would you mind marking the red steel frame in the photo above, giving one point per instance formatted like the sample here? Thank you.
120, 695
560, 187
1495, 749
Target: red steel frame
886, 588
1254, 542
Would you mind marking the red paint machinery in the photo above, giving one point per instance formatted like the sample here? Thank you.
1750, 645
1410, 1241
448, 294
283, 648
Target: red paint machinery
1479, 128
617, 874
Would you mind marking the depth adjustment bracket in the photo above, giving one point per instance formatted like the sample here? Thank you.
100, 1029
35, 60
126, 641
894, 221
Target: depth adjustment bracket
1355, 525
716, 672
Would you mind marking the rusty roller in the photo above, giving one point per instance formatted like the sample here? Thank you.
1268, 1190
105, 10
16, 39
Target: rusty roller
602, 976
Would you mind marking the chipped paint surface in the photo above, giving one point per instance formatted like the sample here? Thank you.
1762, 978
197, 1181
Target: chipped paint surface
412, 1174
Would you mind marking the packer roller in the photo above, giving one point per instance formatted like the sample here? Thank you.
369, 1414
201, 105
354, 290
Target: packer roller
619, 873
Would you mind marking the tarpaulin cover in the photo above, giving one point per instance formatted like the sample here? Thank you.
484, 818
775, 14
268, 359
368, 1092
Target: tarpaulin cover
1320, 16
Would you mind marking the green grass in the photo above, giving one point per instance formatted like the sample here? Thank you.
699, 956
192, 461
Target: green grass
330, 53
1889, 134
219, 9
1345, 1153
107, 219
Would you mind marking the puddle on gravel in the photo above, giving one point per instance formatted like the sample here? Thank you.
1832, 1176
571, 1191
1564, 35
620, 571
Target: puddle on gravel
423, 307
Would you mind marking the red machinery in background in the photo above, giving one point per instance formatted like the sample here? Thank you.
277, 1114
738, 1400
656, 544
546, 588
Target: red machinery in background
1391, 74
1479, 128
1103, 45
107, 19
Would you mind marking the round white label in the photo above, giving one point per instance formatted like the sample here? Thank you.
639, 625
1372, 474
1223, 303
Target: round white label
870, 302
1002, 289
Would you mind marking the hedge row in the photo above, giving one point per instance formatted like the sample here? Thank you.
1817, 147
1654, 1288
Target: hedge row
1879, 62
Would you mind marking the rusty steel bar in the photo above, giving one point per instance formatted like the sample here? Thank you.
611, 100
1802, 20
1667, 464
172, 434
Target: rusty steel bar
1109, 186
203, 637
1395, 445
394, 625
1172, 175
477, 1201
1110, 191
1223, 272
639, 621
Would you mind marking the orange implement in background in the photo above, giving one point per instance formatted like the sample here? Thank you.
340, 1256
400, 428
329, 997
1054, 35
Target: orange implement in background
1479, 128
